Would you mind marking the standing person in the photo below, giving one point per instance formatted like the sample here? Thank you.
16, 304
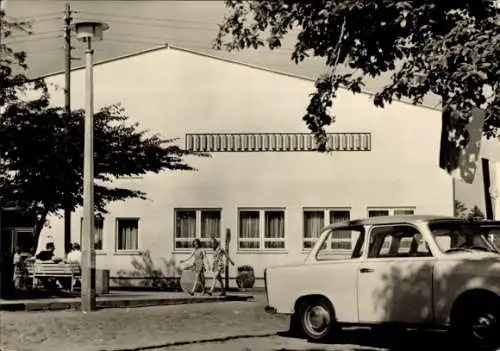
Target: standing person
19, 269
200, 258
218, 266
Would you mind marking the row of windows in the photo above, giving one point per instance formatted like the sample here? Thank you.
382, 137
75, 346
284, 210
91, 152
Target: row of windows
262, 142
127, 233
265, 229
258, 229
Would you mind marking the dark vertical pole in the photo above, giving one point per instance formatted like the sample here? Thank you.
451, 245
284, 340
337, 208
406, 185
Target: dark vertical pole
67, 109
487, 185
228, 240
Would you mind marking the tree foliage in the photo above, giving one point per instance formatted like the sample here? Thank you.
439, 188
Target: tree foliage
13, 63
449, 48
476, 213
460, 209
463, 212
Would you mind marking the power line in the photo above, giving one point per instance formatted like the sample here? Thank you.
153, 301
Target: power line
43, 50
34, 34
133, 42
188, 45
37, 15
46, 19
146, 18
151, 24
166, 39
31, 39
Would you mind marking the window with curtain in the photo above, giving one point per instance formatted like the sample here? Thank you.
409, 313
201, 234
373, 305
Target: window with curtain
398, 211
127, 234
195, 223
314, 221
98, 232
378, 213
185, 228
210, 226
404, 212
274, 234
341, 239
261, 229
249, 230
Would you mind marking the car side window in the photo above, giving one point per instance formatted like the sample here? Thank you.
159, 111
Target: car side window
397, 241
342, 243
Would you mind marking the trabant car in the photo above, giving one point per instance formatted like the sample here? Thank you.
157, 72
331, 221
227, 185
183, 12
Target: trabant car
413, 271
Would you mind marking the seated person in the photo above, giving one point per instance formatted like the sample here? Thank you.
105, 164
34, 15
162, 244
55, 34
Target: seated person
75, 255
47, 254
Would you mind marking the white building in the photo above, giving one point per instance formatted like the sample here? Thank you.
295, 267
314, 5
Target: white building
263, 182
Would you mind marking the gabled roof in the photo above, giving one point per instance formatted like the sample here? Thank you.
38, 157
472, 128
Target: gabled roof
249, 65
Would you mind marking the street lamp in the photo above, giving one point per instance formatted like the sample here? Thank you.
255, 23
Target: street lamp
86, 32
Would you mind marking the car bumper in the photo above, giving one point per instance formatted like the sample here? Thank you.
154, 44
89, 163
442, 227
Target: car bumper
270, 309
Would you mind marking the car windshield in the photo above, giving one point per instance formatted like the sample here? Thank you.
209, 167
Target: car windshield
465, 236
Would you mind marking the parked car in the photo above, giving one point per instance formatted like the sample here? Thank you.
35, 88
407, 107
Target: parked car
414, 271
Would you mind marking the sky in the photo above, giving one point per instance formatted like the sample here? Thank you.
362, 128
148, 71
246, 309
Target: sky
141, 25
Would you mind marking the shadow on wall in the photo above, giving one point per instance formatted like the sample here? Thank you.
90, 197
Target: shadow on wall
460, 143
399, 292
146, 275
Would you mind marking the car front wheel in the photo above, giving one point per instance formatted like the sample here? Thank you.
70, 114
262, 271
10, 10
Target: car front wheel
317, 319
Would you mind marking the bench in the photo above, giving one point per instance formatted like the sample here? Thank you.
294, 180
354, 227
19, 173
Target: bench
40, 270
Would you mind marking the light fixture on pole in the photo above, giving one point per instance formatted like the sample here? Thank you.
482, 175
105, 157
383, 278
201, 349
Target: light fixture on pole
86, 32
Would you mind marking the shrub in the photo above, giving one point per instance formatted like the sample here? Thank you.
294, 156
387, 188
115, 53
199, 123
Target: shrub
149, 276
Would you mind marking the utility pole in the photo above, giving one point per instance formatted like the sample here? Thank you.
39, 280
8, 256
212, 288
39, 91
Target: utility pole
67, 108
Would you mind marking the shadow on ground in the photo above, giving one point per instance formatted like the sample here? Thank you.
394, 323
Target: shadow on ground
365, 339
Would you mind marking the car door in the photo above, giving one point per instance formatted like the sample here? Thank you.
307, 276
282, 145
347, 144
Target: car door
395, 279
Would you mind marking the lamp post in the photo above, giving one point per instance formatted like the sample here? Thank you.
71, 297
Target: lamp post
86, 32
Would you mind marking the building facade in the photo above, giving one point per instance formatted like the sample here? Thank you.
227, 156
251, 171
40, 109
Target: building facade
264, 182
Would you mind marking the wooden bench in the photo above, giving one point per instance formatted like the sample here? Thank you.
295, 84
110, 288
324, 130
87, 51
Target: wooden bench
40, 270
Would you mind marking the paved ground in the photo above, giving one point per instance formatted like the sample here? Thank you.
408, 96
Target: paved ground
273, 343
112, 329
225, 326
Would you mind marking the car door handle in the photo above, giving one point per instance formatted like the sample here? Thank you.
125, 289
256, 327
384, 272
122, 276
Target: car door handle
366, 270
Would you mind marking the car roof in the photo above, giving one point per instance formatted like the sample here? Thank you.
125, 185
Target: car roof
405, 219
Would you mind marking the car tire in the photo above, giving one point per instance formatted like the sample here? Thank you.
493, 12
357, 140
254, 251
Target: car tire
317, 319
477, 324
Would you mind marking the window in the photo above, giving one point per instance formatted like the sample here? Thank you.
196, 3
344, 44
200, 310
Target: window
261, 229
24, 240
202, 224
260, 142
328, 252
314, 221
98, 231
397, 241
127, 234
385, 211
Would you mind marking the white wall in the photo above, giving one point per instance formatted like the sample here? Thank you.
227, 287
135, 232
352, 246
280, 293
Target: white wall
174, 92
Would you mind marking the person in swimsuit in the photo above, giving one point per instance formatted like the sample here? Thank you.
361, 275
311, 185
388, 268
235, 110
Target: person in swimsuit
200, 258
218, 265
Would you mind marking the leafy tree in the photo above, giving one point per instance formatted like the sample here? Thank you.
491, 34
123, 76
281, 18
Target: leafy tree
460, 209
476, 213
42, 151
449, 48
13, 63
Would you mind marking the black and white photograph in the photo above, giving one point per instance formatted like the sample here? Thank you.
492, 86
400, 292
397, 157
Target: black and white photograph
244, 175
